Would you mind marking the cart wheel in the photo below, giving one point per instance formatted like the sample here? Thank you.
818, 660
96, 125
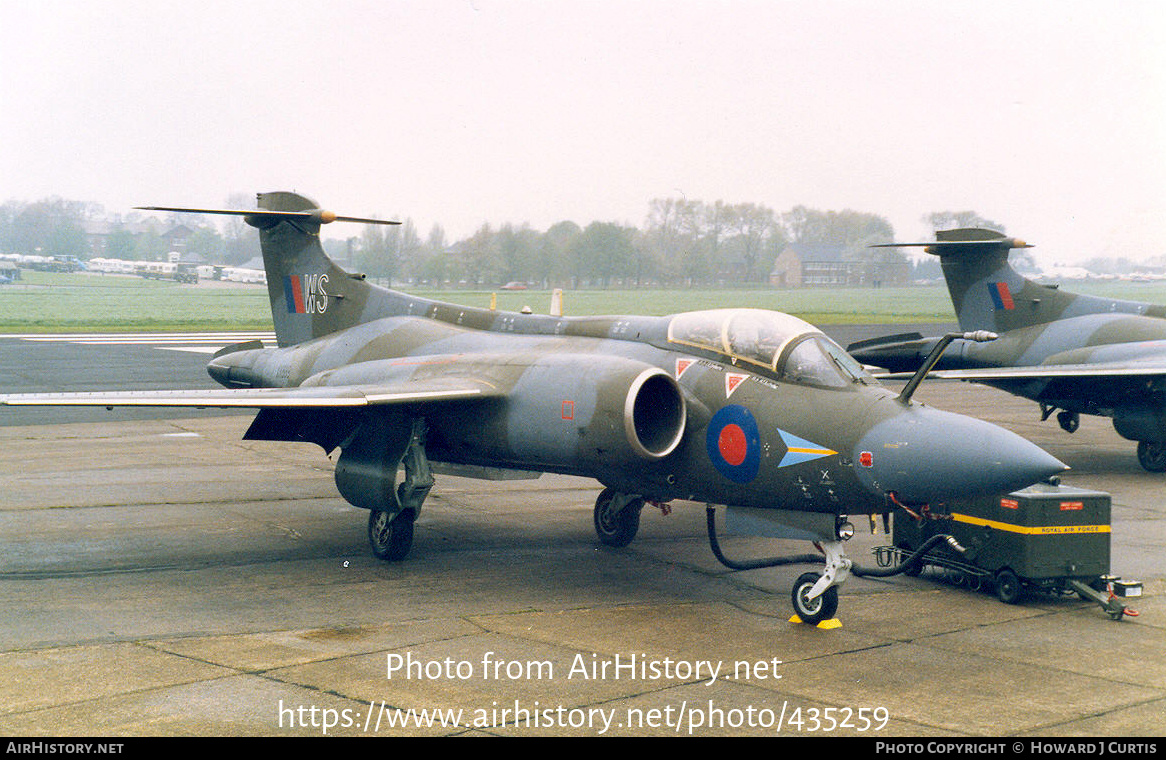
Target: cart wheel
1152, 456
813, 611
1007, 586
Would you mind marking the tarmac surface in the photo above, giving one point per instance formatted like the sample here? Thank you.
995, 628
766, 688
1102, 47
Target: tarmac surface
159, 576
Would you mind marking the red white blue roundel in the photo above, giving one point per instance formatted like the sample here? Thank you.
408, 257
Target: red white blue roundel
734, 443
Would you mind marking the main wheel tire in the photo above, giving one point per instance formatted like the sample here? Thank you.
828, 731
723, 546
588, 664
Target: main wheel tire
1152, 455
616, 529
1008, 588
813, 611
390, 536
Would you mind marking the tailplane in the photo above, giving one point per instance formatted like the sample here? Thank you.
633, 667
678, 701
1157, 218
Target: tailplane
310, 295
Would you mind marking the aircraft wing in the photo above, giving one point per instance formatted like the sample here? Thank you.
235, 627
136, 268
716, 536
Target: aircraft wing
322, 397
1042, 372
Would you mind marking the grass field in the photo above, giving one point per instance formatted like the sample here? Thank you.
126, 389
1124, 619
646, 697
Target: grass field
48, 302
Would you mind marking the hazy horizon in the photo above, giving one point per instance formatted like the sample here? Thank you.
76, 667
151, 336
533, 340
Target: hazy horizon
1048, 117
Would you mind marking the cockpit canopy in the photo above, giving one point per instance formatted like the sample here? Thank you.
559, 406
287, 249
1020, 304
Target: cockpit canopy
788, 347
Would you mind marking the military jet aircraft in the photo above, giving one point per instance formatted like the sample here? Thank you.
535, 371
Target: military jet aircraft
751, 409
1075, 353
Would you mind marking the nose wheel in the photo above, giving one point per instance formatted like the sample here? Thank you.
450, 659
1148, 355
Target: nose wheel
813, 609
815, 595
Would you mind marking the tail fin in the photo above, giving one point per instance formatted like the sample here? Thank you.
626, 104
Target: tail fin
986, 292
310, 295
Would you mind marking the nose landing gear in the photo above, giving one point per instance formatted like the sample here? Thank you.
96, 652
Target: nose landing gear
814, 594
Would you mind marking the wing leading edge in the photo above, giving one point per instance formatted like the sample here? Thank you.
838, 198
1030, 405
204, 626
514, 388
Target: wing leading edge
1041, 372
322, 397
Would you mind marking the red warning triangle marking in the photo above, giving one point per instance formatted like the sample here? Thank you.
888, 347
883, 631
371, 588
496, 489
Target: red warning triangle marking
682, 365
732, 381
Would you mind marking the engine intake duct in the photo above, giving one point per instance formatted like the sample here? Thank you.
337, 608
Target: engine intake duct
654, 415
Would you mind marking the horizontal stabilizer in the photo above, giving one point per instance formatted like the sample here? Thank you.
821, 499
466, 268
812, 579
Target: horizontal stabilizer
962, 242
247, 345
319, 216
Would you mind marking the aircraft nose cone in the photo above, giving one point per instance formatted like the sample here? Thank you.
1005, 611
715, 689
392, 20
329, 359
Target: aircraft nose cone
927, 455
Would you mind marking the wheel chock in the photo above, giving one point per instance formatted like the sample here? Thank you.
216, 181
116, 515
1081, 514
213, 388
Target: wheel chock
825, 625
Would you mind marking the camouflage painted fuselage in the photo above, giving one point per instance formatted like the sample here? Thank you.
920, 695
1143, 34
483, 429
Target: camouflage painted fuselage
559, 402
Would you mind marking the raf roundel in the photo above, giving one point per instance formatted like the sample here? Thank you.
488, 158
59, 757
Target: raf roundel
733, 442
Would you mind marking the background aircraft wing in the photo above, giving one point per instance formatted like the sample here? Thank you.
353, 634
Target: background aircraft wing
1042, 372
323, 397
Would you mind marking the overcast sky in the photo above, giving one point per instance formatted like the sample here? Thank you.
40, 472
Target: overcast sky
1048, 117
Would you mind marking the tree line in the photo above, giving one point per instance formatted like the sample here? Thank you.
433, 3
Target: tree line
680, 243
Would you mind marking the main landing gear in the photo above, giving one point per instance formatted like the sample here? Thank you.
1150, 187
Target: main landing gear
390, 525
1151, 453
617, 517
390, 536
1069, 421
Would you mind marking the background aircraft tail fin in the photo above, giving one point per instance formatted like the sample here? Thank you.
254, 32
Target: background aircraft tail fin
986, 292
